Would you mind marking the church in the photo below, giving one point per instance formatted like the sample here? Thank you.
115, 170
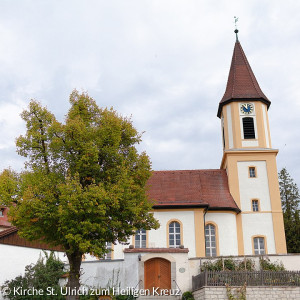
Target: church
234, 210
231, 211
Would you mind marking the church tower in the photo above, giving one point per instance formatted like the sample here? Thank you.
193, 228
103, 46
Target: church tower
250, 160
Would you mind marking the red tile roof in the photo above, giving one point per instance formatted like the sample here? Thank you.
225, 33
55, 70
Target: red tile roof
241, 83
8, 231
191, 188
10, 237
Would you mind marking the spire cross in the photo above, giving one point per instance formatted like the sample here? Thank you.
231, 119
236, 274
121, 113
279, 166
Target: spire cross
236, 30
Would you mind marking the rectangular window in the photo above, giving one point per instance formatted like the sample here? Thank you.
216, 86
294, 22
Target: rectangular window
140, 238
255, 206
259, 245
1, 212
252, 172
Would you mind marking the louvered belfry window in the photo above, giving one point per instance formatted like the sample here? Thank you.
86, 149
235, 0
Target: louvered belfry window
248, 126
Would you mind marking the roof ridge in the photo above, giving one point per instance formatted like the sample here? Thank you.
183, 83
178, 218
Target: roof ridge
234, 73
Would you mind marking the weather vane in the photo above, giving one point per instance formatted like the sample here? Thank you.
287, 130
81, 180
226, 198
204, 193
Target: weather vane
236, 30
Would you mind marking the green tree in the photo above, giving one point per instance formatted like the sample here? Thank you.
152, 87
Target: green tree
84, 182
290, 200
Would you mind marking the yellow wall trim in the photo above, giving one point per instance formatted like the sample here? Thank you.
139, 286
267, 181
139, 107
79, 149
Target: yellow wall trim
211, 211
199, 232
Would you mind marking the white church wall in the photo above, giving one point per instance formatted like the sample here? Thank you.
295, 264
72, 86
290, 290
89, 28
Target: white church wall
258, 224
158, 238
254, 188
118, 251
255, 223
227, 233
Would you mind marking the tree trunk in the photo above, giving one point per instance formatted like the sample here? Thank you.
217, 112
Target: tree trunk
73, 284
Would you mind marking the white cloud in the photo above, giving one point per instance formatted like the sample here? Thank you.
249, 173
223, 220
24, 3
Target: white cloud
164, 62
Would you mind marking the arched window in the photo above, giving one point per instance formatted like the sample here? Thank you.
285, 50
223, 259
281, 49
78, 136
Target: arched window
140, 238
174, 234
259, 245
210, 240
248, 126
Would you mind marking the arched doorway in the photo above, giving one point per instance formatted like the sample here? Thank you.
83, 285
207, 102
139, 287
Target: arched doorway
157, 274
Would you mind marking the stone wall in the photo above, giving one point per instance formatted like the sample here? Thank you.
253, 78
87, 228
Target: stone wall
253, 293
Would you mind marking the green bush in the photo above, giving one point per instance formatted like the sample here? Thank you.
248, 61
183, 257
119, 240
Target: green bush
44, 274
229, 265
125, 297
266, 265
239, 265
187, 296
250, 265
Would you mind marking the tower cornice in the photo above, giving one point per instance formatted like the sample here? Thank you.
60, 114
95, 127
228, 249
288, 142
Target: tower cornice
247, 152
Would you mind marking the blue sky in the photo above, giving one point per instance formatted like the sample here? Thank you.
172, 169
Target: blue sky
163, 62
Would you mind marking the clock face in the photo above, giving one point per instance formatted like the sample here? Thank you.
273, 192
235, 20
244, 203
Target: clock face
247, 108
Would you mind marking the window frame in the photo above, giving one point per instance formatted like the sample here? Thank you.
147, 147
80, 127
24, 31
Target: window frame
264, 243
254, 129
258, 205
174, 234
138, 232
210, 223
249, 171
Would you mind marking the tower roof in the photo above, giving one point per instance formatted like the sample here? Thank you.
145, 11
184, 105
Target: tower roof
241, 83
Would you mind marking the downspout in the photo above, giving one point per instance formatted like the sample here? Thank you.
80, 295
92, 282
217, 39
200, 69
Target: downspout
205, 211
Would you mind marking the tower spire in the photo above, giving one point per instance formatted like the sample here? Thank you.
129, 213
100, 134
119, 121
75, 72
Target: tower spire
241, 83
236, 30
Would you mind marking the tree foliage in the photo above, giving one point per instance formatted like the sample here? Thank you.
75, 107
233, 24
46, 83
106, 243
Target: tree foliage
84, 182
290, 200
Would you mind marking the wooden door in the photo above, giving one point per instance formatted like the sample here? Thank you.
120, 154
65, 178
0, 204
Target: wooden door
157, 273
